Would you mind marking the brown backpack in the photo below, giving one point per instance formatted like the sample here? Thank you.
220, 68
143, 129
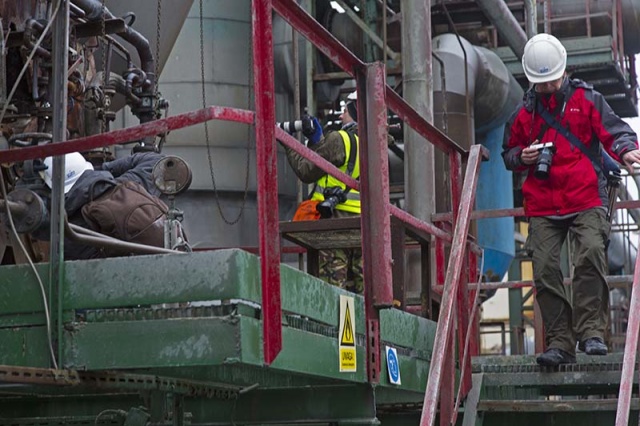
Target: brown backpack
127, 212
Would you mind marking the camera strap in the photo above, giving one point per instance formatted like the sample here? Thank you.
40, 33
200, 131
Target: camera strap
609, 163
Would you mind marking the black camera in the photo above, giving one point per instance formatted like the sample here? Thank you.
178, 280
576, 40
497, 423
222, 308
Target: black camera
543, 165
332, 197
305, 125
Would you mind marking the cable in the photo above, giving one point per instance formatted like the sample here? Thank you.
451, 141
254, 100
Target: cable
4, 189
33, 267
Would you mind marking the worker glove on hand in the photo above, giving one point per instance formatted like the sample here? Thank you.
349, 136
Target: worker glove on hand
312, 129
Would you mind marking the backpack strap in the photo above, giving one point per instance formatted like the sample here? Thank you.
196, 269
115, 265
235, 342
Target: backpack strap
93, 184
608, 162
612, 168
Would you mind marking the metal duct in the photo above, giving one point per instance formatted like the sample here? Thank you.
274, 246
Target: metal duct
477, 108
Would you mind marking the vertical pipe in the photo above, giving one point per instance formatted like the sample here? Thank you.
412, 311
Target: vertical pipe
419, 174
267, 175
630, 351
531, 8
59, 106
295, 47
309, 65
546, 8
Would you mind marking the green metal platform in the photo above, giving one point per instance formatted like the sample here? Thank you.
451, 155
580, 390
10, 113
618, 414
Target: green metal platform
510, 390
180, 335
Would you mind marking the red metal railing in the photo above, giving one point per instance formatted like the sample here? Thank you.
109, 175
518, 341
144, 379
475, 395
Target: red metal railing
374, 99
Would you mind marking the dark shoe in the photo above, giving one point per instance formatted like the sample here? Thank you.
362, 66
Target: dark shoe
593, 346
555, 356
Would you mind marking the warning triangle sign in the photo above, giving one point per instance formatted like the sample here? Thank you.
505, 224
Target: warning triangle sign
347, 332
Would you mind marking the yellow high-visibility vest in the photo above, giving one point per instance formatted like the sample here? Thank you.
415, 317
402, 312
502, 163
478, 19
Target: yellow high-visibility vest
352, 204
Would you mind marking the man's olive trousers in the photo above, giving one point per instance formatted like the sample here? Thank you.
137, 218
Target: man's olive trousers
566, 323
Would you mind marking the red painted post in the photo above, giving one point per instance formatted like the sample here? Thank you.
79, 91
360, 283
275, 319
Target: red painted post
374, 181
267, 176
375, 217
630, 351
452, 282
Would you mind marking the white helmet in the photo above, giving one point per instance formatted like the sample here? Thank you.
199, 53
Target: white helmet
74, 166
352, 105
544, 59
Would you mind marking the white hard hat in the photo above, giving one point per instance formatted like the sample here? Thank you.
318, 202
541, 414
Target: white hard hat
544, 59
74, 166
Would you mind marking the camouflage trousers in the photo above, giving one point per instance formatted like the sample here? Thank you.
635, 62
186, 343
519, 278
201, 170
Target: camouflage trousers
342, 268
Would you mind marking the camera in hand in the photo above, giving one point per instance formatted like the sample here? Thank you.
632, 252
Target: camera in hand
332, 197
304, 125
543, 165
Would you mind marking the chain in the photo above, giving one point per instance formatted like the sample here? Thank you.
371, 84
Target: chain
206, 133
105, 52
157, 58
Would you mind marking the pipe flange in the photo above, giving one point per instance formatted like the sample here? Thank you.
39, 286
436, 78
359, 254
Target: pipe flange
172, 175
27, 209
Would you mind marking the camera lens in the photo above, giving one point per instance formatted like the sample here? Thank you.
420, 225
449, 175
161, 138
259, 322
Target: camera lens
543, 165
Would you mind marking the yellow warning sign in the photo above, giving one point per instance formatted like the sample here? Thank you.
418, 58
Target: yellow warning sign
347, 338
347, 335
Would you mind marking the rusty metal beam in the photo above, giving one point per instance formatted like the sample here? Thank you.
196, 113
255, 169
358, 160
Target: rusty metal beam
130, 134
267, 176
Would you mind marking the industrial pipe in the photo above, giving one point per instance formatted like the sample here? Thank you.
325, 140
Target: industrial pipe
86, 236
94, 11
506, 24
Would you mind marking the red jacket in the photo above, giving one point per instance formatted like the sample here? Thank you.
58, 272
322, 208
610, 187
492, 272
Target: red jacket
572, 185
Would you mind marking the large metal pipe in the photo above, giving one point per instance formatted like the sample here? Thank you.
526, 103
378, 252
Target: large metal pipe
506, 24
418, 92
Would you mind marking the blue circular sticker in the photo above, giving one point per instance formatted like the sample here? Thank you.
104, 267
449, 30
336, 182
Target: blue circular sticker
392, 365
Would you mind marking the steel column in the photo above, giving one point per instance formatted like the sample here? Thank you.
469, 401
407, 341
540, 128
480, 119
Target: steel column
267, 176
630, 351
59, 106
376, 219
452, 282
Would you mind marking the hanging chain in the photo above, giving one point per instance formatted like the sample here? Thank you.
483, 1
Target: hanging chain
156, 93
105, 52
206, 133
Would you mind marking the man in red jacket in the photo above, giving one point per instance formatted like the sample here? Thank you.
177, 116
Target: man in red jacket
565, 191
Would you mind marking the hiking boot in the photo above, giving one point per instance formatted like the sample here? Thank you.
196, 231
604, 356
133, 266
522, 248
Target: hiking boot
555, 356
593, 346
